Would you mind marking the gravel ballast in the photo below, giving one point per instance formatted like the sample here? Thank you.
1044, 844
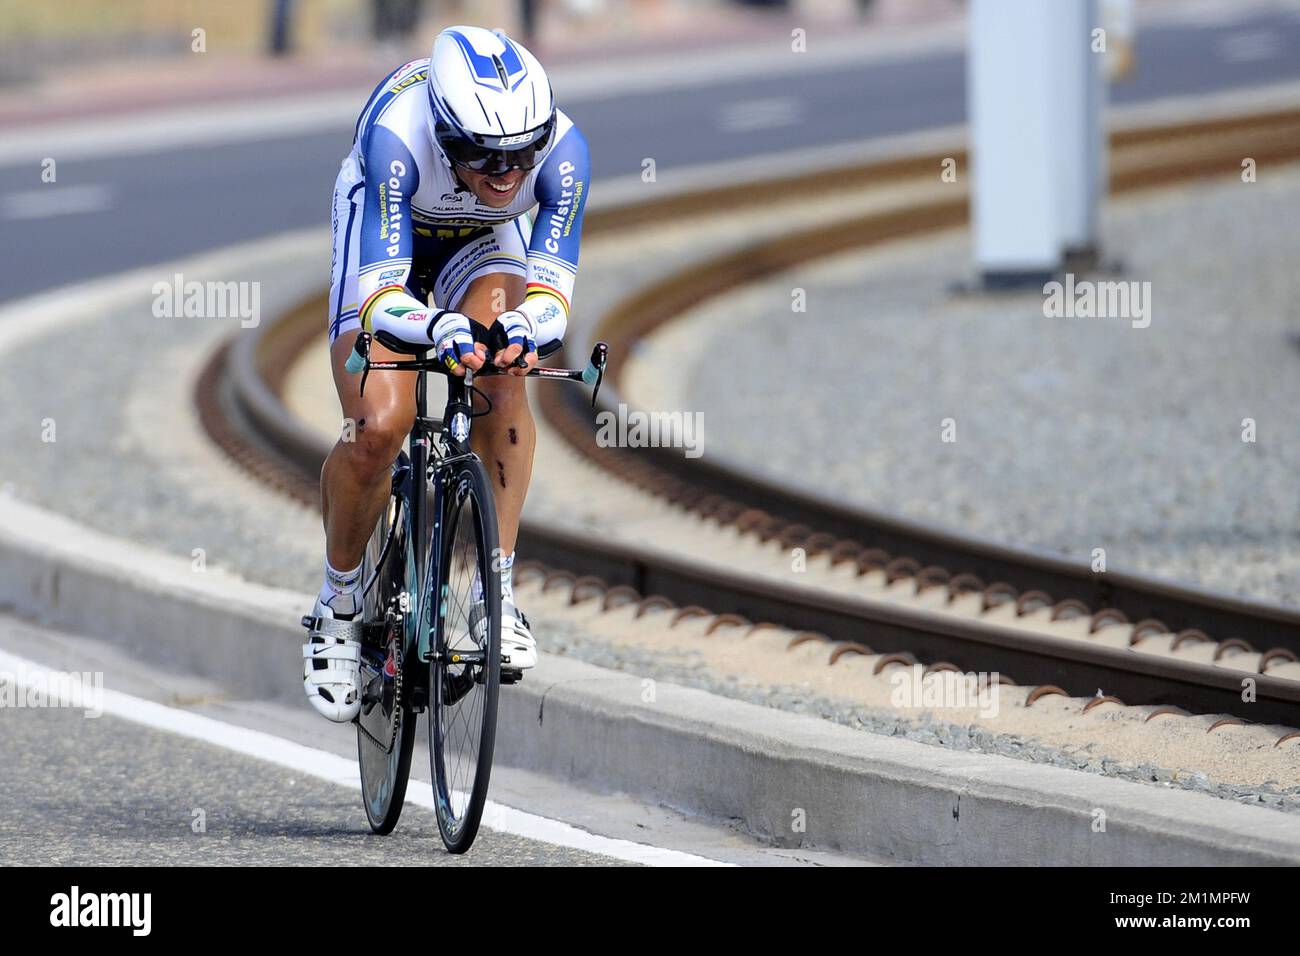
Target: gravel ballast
1066, 434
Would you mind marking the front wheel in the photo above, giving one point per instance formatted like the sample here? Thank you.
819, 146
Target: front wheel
465, 672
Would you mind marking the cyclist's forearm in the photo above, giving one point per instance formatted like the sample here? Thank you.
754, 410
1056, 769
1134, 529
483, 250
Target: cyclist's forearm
387, 245
394, 310
549, 317
557, 234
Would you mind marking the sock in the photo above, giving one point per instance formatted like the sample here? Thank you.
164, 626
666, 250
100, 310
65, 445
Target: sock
507, 565
341, 591
507, 579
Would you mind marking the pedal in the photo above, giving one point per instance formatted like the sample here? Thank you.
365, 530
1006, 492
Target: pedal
511, 675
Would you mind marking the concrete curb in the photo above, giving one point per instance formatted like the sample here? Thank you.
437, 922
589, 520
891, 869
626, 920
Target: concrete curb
767, 769
863, 793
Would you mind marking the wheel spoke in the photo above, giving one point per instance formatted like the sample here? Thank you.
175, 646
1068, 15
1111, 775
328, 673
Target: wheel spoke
384, 746
463, 711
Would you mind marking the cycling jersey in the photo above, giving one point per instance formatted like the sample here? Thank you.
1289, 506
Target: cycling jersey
399, 206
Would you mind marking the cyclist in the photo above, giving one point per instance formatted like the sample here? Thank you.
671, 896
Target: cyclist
431, 233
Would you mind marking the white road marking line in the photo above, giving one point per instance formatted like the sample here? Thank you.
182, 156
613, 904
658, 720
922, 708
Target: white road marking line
344, 772
1207, 13
55, 200
749, 115
178, 127
1249, 46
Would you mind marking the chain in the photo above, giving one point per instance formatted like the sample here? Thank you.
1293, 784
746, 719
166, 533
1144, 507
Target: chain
399, 709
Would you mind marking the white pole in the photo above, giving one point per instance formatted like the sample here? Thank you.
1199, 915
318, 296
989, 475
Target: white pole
1034, 172
1080, 91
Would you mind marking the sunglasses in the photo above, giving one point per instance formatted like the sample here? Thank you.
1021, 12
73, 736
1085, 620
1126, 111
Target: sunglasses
484, 159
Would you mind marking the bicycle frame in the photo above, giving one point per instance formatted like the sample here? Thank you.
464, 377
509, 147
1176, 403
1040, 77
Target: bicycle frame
453, 431
436, 479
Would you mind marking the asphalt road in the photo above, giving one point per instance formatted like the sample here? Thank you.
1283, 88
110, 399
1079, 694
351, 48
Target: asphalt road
140, 210
131, 785
104, 791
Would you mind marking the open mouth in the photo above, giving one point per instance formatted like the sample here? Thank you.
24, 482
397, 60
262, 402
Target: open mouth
500, 188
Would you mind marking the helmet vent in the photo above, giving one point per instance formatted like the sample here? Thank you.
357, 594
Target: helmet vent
501, 71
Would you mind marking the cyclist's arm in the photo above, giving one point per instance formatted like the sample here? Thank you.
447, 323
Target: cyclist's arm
561, 193
386, 240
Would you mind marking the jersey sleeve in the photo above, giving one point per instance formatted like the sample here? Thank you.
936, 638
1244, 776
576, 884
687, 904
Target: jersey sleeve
561, 192
386, 240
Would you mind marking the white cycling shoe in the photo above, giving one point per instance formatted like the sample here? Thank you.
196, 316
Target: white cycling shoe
331, 673
517, 641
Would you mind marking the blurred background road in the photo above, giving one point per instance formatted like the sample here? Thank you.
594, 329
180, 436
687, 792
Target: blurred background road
684, 84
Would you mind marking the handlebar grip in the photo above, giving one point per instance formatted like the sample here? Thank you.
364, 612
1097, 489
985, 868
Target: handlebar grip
595, 370
356, 362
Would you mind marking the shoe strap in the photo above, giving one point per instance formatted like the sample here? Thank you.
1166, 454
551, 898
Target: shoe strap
331, 627
350, 651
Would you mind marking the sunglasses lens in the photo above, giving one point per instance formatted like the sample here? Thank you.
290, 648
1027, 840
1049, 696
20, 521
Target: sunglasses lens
482, 159
467, 154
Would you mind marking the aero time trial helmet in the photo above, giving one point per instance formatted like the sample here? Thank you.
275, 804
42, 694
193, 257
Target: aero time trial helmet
490, 103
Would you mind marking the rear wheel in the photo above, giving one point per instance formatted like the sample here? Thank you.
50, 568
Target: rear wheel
465, 674
386, 724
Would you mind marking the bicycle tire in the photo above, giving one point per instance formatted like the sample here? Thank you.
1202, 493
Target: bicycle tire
462, 693
386, 733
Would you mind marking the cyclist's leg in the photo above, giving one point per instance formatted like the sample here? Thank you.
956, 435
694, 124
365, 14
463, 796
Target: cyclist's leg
507, 438
483, 279
355, 480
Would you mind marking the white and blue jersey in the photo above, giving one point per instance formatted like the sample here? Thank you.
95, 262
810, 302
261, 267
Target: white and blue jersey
405, 227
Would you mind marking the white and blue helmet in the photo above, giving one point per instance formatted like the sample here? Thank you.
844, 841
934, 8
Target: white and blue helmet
490, 104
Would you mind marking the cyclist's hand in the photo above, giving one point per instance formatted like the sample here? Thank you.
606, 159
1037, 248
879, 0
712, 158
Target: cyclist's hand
454, 343
518, 330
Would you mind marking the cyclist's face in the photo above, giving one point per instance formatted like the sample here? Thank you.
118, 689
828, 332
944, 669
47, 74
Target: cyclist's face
496, 191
